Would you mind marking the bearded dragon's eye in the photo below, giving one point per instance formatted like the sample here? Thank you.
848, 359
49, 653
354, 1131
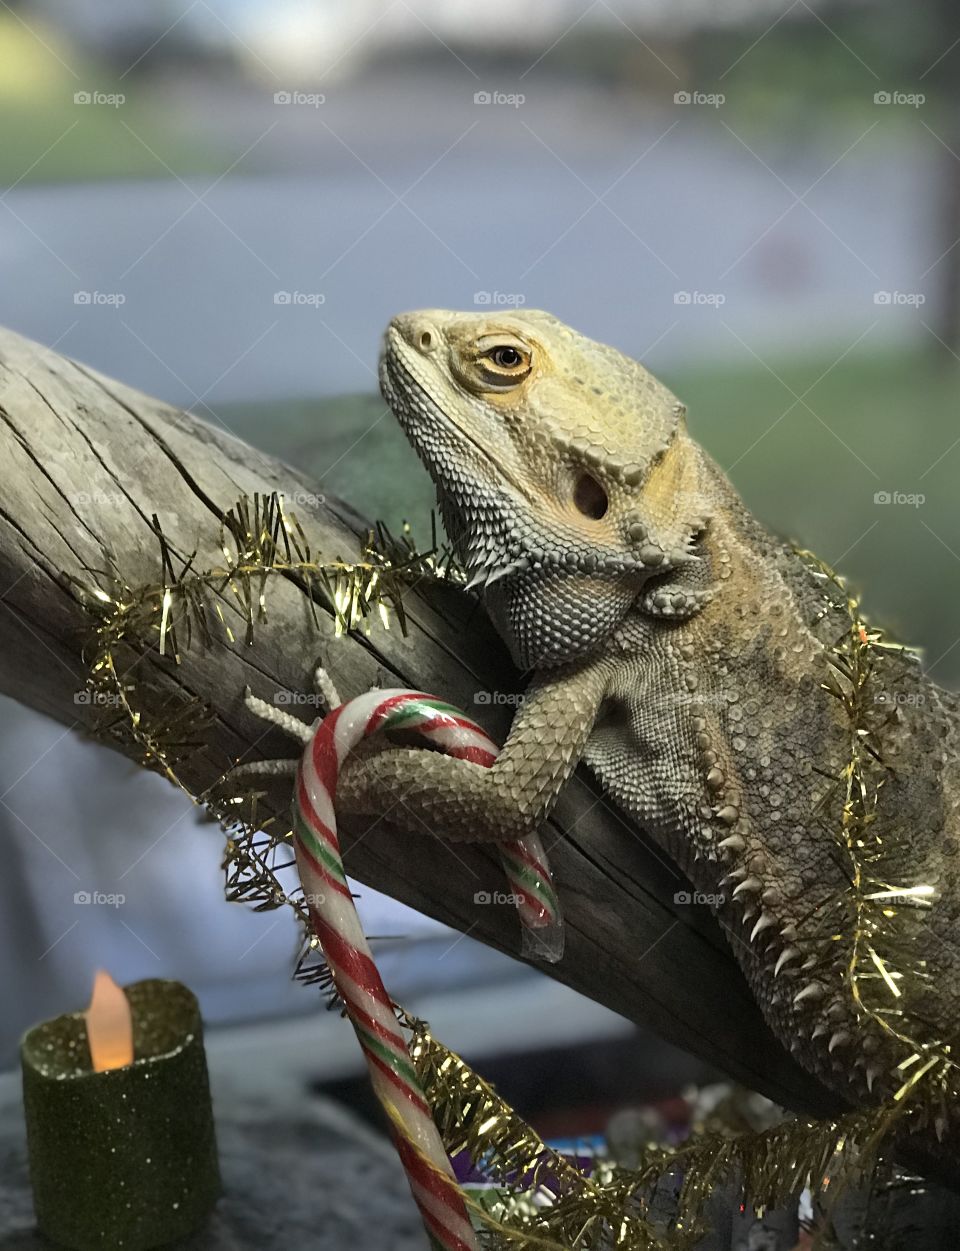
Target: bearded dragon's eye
512, 360
503, 366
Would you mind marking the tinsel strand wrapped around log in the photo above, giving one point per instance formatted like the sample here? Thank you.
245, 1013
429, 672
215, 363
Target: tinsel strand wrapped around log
544, 1200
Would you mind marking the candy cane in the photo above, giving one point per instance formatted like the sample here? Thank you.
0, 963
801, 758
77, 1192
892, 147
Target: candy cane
337, 927
528, 875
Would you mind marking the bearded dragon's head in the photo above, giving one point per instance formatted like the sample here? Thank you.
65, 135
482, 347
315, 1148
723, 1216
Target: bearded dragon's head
563, 472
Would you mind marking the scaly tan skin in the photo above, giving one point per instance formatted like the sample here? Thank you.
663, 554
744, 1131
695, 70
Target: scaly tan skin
679, 650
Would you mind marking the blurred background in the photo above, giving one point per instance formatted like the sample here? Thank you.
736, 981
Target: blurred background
223, 202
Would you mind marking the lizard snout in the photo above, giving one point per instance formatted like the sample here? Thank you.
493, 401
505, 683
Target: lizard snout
418, 330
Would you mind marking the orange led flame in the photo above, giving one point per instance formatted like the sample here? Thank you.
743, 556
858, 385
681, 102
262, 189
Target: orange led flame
109, 1025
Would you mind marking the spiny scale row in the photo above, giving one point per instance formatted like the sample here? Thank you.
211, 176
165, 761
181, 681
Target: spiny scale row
758, 902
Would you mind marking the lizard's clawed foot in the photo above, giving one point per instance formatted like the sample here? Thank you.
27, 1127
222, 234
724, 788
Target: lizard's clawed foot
324, 686
266, 768
285, 721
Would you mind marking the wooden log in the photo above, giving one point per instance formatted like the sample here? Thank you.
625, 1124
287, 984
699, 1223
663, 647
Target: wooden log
87, 461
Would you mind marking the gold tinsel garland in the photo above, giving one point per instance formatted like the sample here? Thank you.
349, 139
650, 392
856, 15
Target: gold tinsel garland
544, 1200
883, 967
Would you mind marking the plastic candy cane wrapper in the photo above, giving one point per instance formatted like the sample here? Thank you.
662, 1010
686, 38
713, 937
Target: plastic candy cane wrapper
337, 927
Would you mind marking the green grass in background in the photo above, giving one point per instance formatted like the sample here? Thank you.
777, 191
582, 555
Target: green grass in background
877, 424
874, 424
48, 136
351, 444
84, 142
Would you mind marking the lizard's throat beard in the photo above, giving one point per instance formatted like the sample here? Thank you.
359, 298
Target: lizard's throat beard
554, 617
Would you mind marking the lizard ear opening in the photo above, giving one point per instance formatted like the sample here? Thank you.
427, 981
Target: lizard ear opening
590, 498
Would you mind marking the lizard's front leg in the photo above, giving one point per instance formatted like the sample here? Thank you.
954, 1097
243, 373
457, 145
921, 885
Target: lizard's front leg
462, 801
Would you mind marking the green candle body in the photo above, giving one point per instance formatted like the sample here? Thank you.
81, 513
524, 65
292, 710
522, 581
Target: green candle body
126, 1158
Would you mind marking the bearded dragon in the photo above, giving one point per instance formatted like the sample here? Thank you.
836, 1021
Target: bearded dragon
687, 657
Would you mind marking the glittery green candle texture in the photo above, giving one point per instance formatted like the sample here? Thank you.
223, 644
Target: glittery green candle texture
126, 1158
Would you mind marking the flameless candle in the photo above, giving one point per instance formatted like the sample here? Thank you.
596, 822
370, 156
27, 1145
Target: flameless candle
119, 1123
